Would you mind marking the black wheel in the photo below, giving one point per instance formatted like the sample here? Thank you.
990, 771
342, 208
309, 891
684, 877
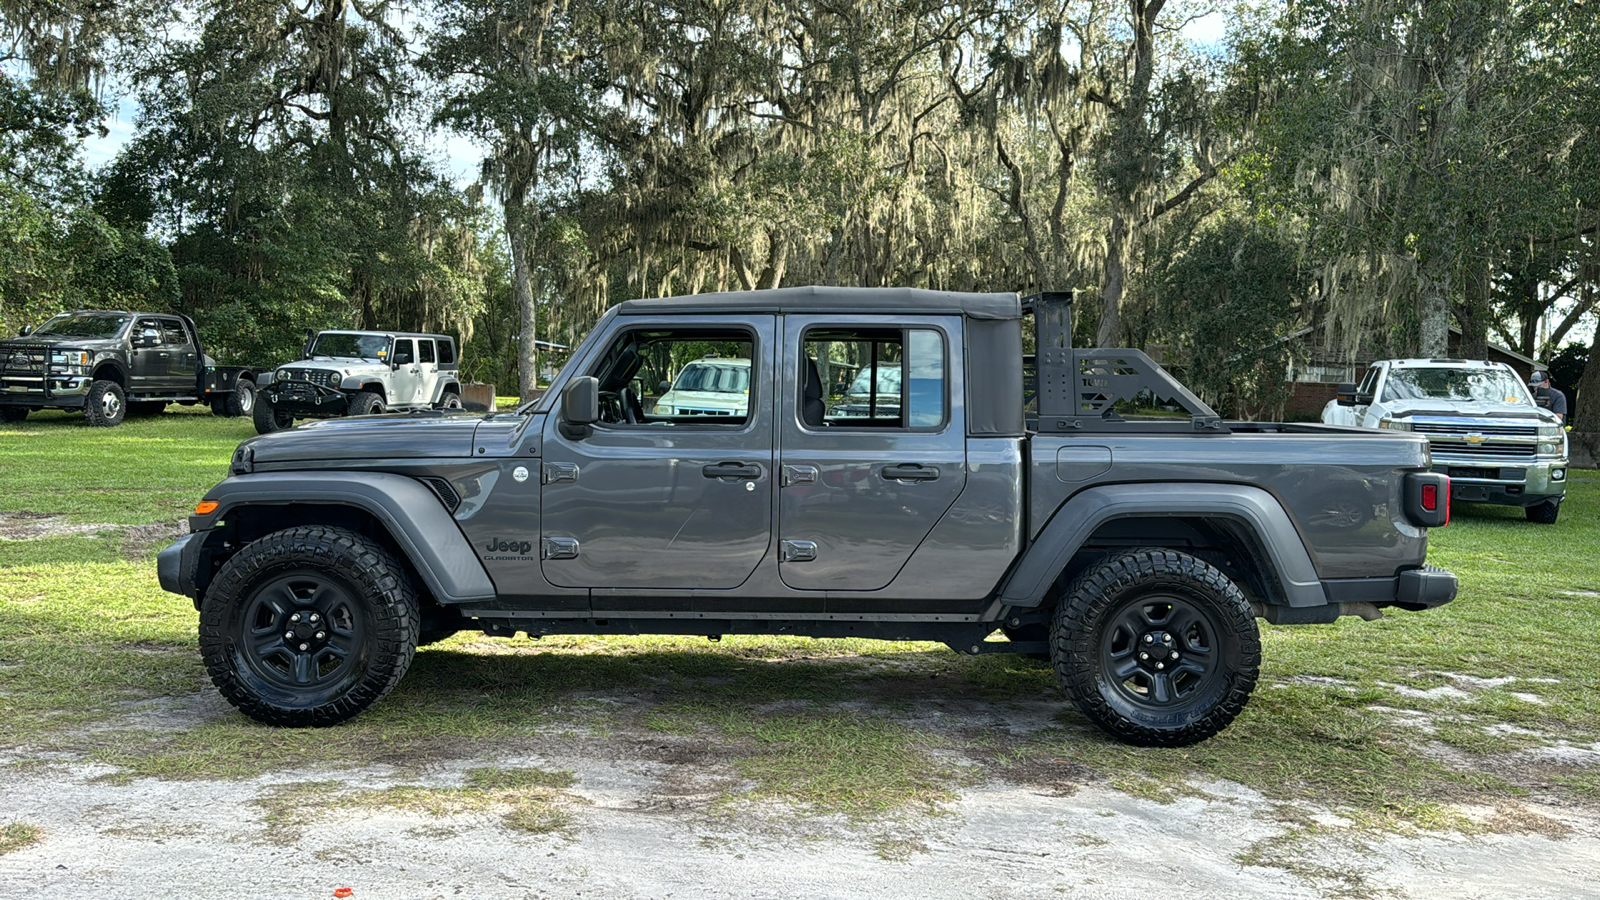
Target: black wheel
268, 419
106, 404
1156, 647
448, 400
13, 413
146, 407
1544, 513
238, 403
366, 403
308, 626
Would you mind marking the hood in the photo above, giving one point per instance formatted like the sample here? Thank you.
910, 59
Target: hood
337, 364
72, 343
1519, 413
418, 435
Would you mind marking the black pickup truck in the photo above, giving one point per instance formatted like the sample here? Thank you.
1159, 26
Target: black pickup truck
112, 363
929, 503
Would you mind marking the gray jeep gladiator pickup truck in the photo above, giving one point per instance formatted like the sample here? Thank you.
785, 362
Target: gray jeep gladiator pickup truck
1135, 553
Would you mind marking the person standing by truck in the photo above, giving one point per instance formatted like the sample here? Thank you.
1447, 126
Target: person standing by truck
1546, 396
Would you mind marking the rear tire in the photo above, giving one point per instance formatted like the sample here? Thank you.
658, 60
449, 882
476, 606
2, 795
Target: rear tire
13, 413
106, 404
268, 419
449, 400
308, 626
238, 403
366, 403
1192, 626
1543, 513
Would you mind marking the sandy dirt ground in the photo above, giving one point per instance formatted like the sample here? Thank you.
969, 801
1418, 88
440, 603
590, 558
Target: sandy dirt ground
642, 825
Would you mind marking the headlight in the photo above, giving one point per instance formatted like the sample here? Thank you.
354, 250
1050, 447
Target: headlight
69, 357
1395, 424
1550, 432
280, 375
1549, 448
666, 409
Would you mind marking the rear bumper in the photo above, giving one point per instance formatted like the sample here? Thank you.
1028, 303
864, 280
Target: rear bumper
306, 401
1421, 588
1425, 588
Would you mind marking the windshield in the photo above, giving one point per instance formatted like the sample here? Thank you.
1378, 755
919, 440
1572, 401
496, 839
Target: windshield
714, 378
87, 325
1468, 385
360, 346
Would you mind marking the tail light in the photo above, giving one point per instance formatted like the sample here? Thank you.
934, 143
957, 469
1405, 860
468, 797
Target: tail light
1427, 499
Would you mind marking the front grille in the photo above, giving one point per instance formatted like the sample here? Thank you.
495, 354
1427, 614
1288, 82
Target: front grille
1527, 431
690, 411
1485, 449
321, 377
23, 361
444, 490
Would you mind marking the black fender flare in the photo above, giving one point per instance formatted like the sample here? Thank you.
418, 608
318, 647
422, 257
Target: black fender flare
418, 522
113, 362
1251, 507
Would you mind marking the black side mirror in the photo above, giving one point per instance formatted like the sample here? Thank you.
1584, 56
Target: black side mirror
580, 407
25, 331
305, 348
664, 386
1344, 393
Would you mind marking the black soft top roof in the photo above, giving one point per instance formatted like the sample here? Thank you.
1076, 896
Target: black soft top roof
833, 300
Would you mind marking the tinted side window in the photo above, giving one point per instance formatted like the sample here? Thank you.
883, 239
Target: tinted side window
873, 378
172, 332
447, 352
425, 350
677, 378
403, 354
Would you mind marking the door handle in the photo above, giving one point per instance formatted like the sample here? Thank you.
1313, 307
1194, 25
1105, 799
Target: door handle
910, 472
732, 470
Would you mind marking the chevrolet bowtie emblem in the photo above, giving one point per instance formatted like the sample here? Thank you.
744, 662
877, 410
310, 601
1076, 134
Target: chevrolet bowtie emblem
1476, 438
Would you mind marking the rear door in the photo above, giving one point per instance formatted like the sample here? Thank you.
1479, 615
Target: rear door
872, 449
182, 359
428, 366
406, 381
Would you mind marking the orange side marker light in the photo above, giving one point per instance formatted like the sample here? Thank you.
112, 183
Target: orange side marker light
205, 507
342, 892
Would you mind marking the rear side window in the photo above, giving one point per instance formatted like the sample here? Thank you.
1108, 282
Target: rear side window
173, 332
447, 352
425, 351
873, 378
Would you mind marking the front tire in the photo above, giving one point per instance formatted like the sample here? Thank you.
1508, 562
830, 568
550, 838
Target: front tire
1543, 513
268, 419
106, 404
366, 403
1156, 647
308, 626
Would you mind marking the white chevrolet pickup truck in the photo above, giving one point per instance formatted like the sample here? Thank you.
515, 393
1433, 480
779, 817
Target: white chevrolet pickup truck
1483, 427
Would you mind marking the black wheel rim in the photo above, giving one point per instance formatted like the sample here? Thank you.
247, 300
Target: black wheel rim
303, 633
1162, 651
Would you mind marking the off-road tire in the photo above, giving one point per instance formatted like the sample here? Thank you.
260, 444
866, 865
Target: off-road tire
106, 404
268, 419
366, 607
1543, 513
366, 403
13, 413
237, 403
1099, 629
449, 400
146, 407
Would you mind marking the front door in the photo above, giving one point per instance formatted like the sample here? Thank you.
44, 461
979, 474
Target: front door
149, 359
406, 381
872, 448
650, 497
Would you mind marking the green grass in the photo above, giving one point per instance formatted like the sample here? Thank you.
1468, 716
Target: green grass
16, 836
1396, 725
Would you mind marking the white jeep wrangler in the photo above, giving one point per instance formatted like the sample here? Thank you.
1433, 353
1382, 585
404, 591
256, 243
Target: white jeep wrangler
361, 373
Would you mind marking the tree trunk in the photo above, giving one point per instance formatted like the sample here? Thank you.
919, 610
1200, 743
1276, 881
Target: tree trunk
1585, 416
527, 345
1474, 313
1434, 315
1116, 268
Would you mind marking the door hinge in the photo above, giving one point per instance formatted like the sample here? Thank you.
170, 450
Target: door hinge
558, 548
799, 475
797, 551
559, 473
